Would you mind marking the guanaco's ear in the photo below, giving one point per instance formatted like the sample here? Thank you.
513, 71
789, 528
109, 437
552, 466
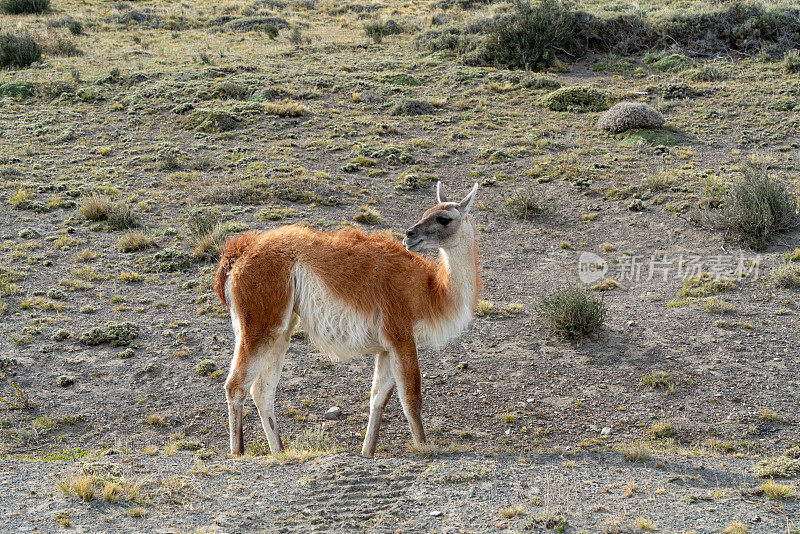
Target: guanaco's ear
465, 205
439, 193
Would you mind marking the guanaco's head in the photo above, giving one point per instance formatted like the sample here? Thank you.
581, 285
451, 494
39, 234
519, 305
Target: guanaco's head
442, 226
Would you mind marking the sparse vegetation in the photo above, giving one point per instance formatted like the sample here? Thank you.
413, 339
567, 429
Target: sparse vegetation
24, 7
140, 134
657, 379
571, 313
577, 99
756, 208
524, 204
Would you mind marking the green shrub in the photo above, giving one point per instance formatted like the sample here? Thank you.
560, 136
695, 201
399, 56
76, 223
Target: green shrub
115, 334
368, 215
75, 27
787, 275
211, 121
18, 51
17, 89
576, 98
24, 7
791, 61
667, 62
121, 217
571, 313
532, 36
206, 367
524, 204
755, 209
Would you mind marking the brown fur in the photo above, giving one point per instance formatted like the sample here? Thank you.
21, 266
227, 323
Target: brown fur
373, 276
359, 269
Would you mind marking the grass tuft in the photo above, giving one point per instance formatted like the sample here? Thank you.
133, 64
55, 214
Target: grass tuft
524, 204
135, 240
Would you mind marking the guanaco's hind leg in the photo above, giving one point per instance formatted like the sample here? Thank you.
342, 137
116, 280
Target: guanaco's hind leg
405, 368
382, 387
244, 370
263, 389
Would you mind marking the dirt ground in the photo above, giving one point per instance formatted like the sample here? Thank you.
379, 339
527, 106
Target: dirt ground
454, 493
694, 382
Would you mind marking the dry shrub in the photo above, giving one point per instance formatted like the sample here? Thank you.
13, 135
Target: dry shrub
755, 209
571, 313
628, 115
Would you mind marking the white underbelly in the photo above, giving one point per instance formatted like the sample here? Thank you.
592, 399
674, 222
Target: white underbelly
333, 327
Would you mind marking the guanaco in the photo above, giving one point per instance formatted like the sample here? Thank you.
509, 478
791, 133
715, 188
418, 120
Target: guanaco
353, 294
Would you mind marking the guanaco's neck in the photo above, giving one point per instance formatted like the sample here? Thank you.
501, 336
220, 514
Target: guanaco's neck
458, 270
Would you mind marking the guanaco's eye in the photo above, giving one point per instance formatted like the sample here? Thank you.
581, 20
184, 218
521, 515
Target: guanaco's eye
444, 221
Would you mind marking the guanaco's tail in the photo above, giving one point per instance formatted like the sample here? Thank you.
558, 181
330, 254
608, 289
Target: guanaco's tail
233, 249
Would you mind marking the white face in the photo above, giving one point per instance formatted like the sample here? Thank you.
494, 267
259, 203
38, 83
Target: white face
439, 225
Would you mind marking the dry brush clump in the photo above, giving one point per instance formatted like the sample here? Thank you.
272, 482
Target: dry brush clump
538, 35
571, 313
206, 234
629, 115
755, 209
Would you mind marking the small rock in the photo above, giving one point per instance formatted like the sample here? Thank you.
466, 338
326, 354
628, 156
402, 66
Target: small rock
333, 413
606, 431
531, 400
435, 513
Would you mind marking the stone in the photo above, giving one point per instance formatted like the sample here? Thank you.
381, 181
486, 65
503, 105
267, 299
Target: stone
333, 413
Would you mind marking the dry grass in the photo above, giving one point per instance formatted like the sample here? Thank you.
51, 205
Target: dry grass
736, 527
512, 511
95, 207
637, 452
776, 491
111, 492
287, 108
135, 240
82, 486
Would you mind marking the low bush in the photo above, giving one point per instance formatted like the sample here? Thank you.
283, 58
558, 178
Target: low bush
536, 35
576, 98
571, 313
755, 209
629, 115
524, 204
533, 36
18, 51
24, 7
